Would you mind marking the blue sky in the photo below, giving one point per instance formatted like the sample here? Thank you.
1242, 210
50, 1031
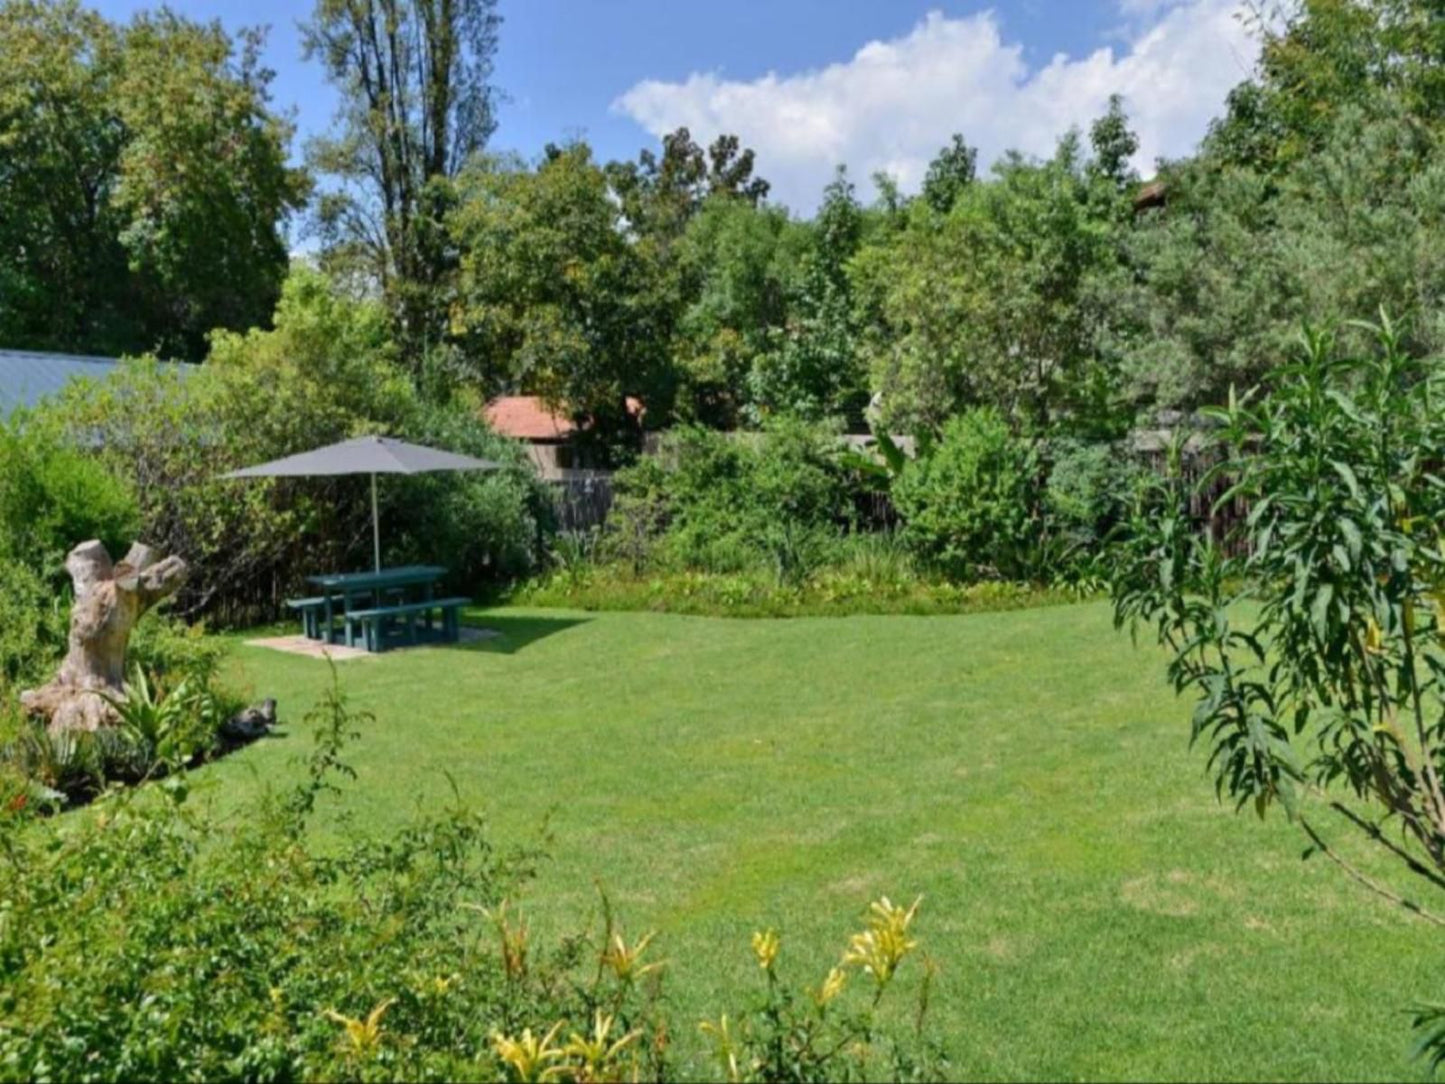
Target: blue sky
877, 84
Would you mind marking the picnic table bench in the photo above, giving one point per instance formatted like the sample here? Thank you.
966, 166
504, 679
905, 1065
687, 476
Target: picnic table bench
373, 604
373, 622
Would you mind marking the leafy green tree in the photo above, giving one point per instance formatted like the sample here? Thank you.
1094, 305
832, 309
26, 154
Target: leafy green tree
659, 196
813, 369
553, 298
1240, 256
143, 182
953, 170
662, 198
203, 181
417, 103
738, 264
1000, 302
1322, 57
1114, 144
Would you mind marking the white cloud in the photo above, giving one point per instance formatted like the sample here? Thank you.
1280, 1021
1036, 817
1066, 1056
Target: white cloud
894, 103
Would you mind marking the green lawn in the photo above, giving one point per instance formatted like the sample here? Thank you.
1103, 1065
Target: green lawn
1094, 912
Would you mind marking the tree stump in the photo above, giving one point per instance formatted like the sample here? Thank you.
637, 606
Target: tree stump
109, 600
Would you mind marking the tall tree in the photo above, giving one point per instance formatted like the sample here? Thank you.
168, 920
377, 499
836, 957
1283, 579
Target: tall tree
1114, 144
144, 187
950, 172
740, 263
553, 298
813, 368
1000, 302
659, 195
417, 102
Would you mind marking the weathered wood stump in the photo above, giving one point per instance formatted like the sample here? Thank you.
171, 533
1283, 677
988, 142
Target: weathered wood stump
109, 600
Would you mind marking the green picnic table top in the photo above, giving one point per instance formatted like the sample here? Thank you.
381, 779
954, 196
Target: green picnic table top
387, 577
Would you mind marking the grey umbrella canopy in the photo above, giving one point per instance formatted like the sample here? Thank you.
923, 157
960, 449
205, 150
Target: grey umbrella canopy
365, 455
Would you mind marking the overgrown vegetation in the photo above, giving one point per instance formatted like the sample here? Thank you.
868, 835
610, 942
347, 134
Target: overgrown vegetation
789, 521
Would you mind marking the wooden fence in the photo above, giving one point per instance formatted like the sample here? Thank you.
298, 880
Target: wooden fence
582, 499
1219, 523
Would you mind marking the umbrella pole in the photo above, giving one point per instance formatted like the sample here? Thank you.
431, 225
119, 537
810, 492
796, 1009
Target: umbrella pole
375, 526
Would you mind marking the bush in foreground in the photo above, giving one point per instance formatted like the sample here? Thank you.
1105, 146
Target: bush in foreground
1316, 658
145, 938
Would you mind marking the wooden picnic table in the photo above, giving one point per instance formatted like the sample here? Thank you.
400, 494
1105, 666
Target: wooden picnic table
352, 587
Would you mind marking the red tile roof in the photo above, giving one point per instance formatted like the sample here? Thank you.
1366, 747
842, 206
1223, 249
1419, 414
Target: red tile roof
526, 417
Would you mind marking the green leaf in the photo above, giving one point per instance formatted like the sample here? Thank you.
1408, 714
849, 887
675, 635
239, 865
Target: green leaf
1353, 540
1347, 475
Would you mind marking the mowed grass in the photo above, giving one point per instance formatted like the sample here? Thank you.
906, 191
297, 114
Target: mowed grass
1094, 912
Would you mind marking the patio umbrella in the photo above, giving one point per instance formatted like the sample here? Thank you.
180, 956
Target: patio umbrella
365, 455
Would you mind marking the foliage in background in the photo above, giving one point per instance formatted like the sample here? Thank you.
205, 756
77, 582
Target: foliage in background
54, 495
1088, 497
144, 187
738, 265
709, 501
33, 626
414, 78
1316, 660
812, 368
552, 297
997, 299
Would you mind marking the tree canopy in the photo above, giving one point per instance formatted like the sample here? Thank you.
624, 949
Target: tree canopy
144, 183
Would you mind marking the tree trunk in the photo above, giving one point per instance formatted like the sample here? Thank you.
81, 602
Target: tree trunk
109, 600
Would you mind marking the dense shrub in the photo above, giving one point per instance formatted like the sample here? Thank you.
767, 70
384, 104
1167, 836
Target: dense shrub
727, 504
146, 938
325, 373
969, 506
54, 494
1089, 493
32, 625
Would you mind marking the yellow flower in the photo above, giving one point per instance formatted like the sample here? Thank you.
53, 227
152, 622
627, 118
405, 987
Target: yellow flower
362, 1036
1374, 639
765, 947
442, 985
881, 948
528, 1057
626, 963
725, 1044
832, 986
598, 1056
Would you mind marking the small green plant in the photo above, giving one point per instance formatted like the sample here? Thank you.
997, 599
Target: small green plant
812, 1034
574, 553
169, 730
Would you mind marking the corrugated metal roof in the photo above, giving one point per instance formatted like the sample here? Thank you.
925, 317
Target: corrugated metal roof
27, 376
